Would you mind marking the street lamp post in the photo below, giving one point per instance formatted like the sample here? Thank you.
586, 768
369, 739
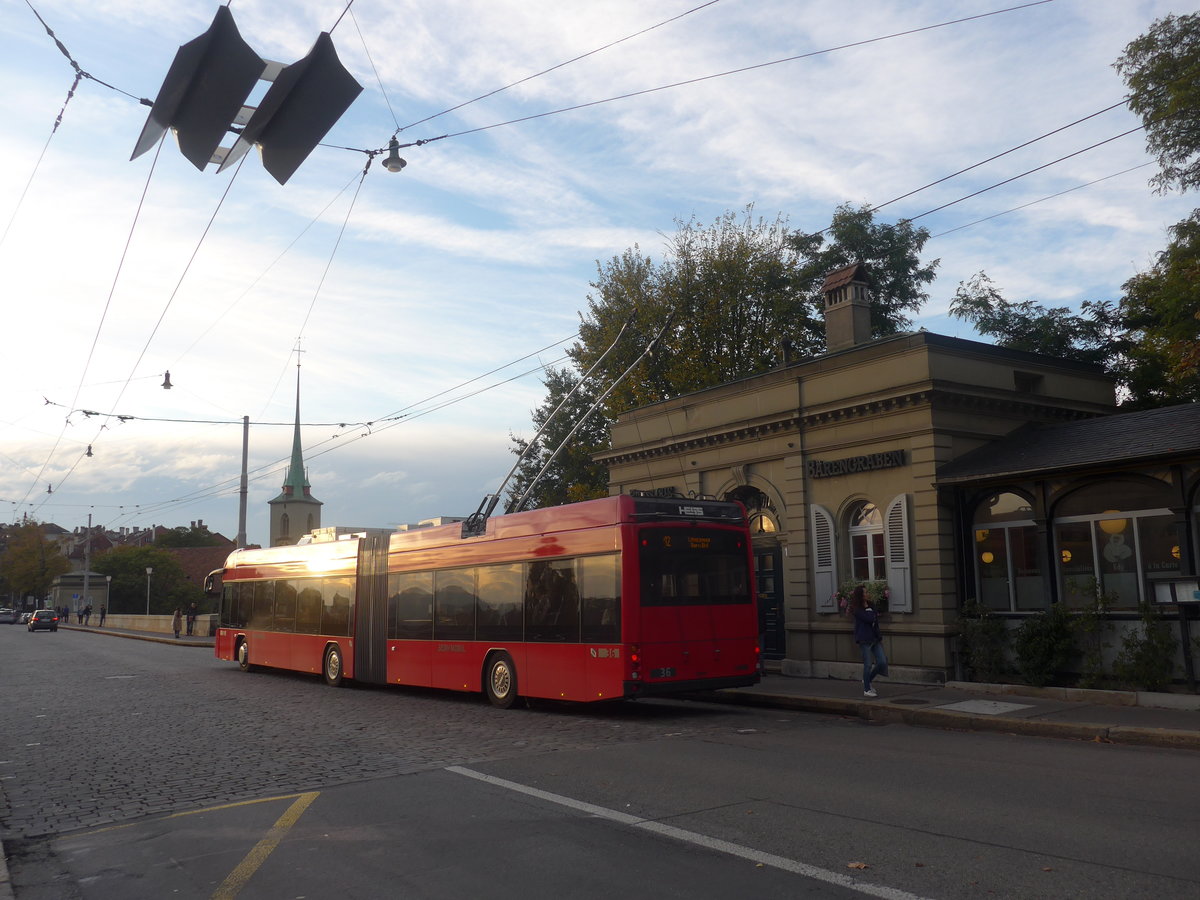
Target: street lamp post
149, 572
107, 596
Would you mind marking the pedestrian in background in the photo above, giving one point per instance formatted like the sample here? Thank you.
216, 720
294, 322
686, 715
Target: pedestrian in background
87, 614
177, 622
868, 638
191, 619
103, 615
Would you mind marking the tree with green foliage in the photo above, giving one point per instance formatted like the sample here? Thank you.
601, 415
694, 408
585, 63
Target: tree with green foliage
1147, 342
897, 277
728, 300
1026, 325
32, 562
1161, 310
1161, 68
571, 476
169, 585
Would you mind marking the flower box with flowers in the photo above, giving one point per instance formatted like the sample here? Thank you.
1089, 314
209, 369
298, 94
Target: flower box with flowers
877, 592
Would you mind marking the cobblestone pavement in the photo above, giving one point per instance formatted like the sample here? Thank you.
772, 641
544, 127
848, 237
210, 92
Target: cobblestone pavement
96, 731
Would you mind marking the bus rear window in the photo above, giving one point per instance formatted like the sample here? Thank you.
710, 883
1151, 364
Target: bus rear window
692, 567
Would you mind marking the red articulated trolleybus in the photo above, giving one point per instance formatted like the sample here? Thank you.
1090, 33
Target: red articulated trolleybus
621, 597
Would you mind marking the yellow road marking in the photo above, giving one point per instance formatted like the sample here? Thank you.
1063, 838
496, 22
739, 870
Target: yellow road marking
237, 879
179, 815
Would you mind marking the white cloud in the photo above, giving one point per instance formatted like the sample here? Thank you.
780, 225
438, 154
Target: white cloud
482, 250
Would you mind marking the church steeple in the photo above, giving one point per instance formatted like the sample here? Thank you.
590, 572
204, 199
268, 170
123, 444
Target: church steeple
295, 512
296, 483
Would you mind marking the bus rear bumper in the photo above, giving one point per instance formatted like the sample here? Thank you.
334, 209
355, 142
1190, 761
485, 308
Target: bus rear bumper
634, 689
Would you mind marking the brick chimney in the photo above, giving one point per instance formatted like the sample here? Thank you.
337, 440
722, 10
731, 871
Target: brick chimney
847, 307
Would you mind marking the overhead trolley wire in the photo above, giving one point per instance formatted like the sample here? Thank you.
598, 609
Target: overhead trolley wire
737, 71
556, 67
1069, 190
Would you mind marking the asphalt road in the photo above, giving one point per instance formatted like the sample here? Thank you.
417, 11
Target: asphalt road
131, 769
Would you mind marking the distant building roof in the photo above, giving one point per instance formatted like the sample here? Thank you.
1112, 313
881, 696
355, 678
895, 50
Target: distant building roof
1148, 435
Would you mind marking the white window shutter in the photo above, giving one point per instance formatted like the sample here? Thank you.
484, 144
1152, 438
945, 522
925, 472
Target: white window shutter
824, 559
899, 565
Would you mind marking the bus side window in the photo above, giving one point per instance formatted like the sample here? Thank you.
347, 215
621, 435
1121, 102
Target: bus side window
410, 605
500, 601
600, 583
454, 603
308, 606
552, 602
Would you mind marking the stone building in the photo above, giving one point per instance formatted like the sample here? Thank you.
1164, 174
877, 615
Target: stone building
882, 461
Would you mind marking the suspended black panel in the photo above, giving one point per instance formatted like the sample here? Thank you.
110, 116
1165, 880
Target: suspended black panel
301, 106
208, 82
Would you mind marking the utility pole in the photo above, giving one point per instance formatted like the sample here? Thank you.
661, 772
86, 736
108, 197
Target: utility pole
242, 490
87, 559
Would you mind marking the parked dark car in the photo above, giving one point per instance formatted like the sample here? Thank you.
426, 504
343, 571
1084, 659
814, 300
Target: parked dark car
44, 619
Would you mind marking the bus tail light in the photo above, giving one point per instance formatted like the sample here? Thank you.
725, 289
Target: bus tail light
635, 661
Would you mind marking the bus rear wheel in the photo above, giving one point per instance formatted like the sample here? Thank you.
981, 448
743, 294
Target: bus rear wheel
333, 666
500, 681
243, 656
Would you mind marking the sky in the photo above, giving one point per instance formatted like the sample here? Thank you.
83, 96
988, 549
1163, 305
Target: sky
427, 302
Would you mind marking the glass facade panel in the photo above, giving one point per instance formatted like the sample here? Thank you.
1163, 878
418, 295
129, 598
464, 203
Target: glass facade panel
1158, 544
1026, 570
1076, 561
1004, 507
1118, 560
991, 560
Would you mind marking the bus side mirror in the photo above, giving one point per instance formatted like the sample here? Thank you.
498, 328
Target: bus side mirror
211, 588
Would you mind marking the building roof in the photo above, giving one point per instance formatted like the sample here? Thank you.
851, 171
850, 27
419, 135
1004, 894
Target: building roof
1150, 434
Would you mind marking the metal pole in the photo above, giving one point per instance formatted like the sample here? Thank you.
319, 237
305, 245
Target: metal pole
149, 572
87, 559
241, 532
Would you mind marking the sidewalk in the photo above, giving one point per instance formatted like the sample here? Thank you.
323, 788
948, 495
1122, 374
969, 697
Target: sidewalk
183, 640
1116, 717
1112, 717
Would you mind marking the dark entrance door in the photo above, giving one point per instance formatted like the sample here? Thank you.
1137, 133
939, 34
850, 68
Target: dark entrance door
768, 568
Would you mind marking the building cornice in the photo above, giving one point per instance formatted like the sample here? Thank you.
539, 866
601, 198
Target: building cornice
793, 421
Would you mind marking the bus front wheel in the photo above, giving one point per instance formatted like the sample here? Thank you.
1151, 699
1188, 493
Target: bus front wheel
500, 681
333, 666
243, 656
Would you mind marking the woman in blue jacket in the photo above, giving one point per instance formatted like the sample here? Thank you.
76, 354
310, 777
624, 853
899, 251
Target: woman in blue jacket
866, 635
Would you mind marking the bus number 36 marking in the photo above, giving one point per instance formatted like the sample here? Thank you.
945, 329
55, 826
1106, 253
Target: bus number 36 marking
605, 652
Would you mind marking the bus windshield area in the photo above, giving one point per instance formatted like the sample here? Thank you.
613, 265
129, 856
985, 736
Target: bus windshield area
693, 567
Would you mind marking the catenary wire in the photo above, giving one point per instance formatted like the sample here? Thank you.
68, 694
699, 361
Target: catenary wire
738, 71
555, 67
1077, 187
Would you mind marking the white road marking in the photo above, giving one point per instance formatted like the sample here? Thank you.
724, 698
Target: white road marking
757, 856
